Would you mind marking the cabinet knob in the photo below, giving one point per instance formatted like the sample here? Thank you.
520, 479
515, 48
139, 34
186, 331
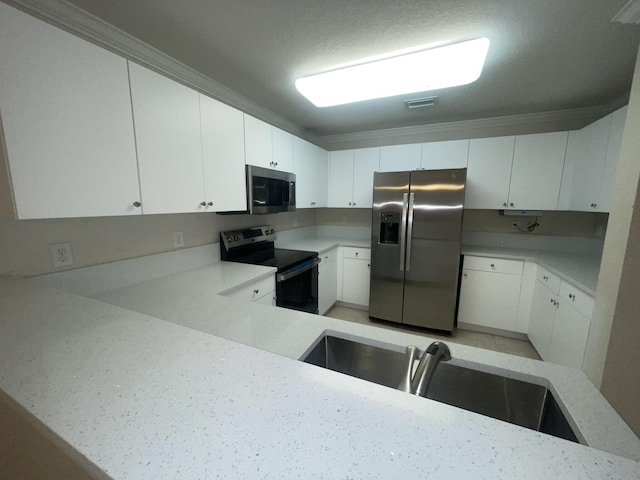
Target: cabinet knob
256, 290
493, 266
511, 204
276, 164
137, 204
465, 275
356, 254
349, 203
203, 204
313, 203
545, 278
551, 300
504, 204
210, 204
572, 296
354, 204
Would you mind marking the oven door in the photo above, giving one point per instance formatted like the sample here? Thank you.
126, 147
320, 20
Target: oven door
297, 287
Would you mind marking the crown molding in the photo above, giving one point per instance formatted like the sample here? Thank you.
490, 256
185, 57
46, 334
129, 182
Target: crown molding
629, 13
95, 30
572, 119
85, 25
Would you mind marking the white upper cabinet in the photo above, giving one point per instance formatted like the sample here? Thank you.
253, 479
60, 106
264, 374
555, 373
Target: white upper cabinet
450, 154
400, 158
614, 146
67, 121
489, 173
223, 156
310, 167
258, 142
267, 146
536, 174
341, 178
591, 164
351, 177
167, 125
366, 161
282, 150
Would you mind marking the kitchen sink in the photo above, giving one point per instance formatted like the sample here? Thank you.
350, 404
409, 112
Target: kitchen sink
515, 401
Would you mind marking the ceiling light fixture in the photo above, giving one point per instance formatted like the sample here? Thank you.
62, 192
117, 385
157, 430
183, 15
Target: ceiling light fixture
433, 69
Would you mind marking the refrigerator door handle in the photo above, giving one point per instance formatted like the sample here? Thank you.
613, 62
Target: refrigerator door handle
403, 228
409, 231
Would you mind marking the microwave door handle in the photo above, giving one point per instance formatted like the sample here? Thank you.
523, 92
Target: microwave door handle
403, 228
410, 230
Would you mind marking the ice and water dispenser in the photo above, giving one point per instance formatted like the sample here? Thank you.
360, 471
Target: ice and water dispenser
389, 228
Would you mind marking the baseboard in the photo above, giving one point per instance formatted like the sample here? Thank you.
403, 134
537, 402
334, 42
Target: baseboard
493, 331
364, 308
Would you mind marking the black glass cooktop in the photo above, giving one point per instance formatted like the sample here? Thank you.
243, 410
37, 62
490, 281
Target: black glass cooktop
281, 258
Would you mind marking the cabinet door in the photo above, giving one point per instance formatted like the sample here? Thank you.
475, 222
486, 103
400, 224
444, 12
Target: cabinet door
614, 146
311, 169
282, 150
536, 174
489, 173
258, 142
68, 127
341, 179
400, 158
168, 139
223, 156
588, 166
543, 311
366, 161
569, 336
489, 299
327, 285
355, 281
451, 154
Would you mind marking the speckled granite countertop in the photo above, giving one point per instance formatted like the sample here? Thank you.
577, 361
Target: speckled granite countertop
162, 379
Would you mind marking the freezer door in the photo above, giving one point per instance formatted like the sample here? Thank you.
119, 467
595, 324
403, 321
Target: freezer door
436, 201
388, 241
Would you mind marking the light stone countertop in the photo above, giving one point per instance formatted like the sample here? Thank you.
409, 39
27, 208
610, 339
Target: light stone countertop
322, 244
137, 397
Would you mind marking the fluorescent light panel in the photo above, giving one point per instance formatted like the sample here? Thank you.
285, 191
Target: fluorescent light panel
442, 67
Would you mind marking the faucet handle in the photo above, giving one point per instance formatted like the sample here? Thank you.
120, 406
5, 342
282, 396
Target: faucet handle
412, 356
439, 349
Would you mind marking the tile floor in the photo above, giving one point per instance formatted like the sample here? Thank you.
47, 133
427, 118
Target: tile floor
496, 343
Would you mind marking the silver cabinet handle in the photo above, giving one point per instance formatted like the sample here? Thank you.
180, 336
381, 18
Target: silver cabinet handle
403, 228
410, 230
137, 204
204, 204
210, 204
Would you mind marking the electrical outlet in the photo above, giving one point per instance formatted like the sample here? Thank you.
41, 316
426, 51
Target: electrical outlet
178, 240
61, 255
343, 220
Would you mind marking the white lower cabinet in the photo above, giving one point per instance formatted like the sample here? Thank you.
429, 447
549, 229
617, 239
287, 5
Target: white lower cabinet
356, 266
327, 280
490, 292
261, 291
560, 320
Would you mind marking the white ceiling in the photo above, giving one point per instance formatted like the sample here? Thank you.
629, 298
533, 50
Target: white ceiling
545, 55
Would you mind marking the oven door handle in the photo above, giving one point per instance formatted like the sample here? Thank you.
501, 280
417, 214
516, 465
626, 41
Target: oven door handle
283, 277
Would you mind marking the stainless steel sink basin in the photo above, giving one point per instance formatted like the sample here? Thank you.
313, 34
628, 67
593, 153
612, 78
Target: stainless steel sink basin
514, 401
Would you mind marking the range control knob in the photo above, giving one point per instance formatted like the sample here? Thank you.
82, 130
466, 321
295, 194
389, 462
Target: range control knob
236, 237
229, 239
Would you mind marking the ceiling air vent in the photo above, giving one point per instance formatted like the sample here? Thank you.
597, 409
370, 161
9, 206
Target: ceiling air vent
421, 102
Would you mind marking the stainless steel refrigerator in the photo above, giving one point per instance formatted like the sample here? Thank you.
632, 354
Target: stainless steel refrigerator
415, 246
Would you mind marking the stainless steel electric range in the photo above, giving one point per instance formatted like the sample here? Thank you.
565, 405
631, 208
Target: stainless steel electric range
297, 275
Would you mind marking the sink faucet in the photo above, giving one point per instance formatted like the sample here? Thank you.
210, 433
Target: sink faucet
419, 383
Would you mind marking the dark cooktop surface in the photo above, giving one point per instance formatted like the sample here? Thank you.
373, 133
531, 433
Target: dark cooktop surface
281, 258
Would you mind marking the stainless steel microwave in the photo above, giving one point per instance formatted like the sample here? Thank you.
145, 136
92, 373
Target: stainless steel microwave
270, 191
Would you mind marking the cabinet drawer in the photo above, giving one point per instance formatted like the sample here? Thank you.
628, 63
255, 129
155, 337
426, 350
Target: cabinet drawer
328, 256
576, 297
361, 253
547, 278
498, 265
253, 291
